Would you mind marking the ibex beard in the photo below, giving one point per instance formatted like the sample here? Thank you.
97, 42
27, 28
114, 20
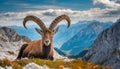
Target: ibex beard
43, 48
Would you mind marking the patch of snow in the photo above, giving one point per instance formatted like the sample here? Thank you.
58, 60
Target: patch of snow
57, 56
7, 47
67, 52
4, 55
34, 66
67, 60
1, 67
8, 67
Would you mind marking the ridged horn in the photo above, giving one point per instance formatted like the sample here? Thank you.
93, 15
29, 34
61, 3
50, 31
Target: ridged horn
58, 19
35, 19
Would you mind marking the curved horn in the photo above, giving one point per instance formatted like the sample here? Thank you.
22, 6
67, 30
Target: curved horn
35, 19
58, 19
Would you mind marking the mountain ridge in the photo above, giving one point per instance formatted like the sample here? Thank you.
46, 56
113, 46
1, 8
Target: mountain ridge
106, 48
85, 37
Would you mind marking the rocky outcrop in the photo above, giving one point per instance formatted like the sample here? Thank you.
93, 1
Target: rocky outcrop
10, 42
106, 48
35, 66
10, 35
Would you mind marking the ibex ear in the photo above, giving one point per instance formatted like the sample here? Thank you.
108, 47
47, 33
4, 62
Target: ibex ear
55, 30
39, 30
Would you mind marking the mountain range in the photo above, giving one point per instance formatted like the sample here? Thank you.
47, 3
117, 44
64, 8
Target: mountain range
84, 38
62, 36
73, 40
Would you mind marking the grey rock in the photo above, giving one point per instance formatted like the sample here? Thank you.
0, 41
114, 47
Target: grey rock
8, 34
106, 48
34, 66
10, 43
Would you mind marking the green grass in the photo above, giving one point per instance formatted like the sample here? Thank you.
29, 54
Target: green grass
57, 64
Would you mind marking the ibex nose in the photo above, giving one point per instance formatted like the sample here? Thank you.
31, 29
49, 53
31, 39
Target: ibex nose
47, 41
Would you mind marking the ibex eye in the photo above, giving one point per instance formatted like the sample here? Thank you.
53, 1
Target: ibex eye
41, 31
53, 30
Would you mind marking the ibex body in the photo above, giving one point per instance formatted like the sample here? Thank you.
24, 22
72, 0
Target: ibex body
41, 48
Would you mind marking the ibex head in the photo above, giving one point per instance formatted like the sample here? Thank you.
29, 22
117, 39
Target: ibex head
47, 33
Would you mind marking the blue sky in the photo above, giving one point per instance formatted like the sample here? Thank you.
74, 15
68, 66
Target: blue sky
27, 5
12, 12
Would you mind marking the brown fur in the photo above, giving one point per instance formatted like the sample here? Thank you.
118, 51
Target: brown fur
41, 48
34, 49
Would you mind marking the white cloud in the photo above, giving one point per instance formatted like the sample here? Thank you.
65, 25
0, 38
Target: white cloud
107, 3
47, 16
45, 7
112, 9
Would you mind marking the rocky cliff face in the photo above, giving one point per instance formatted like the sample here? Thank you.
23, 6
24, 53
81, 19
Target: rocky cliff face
10, 35
106, 48
10, 42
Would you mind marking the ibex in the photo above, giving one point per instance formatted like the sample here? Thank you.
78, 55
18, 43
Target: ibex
43, 48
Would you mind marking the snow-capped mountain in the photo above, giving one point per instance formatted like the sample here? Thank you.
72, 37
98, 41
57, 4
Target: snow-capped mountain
84, 38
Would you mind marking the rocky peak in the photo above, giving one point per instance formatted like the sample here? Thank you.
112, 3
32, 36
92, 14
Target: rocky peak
106, 48
8, 34
118, 20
